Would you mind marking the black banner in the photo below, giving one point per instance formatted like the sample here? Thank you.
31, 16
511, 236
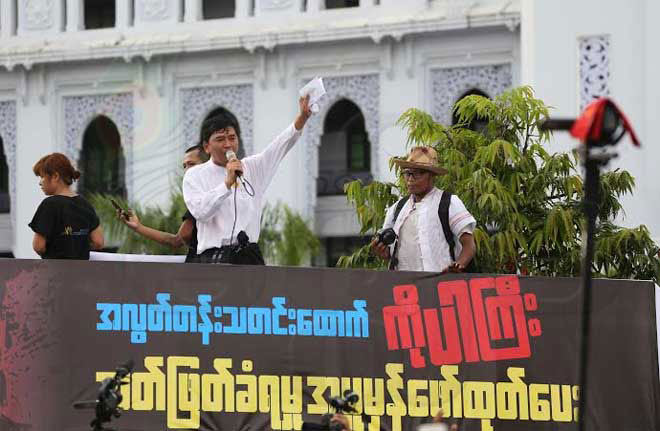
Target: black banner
252, 348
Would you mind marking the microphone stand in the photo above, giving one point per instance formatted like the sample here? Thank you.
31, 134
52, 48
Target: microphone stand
594, 157
592, 163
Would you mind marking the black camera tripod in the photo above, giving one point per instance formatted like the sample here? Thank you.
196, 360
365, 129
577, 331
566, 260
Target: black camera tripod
106, 405
343, 404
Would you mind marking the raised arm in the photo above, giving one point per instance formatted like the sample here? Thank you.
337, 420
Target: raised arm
160, 237
264, 164
165, 238
304, 112
185, 232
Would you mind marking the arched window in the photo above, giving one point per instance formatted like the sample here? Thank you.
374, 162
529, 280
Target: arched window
477, 124
345, 150
222, 111
214, 9
338, 4
99, 14
102, 159
4, 181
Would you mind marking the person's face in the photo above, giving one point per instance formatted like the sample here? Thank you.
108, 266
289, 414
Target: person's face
418, 181
190, 159
220, 142
49, 183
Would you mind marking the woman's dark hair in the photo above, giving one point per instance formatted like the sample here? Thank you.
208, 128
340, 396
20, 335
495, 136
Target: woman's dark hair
56, 163
218, 123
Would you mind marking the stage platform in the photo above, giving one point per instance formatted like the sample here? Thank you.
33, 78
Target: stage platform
257, 348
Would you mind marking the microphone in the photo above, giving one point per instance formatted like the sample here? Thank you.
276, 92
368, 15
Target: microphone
230, 155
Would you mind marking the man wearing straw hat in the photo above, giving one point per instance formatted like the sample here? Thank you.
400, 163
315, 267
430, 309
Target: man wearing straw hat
423, 238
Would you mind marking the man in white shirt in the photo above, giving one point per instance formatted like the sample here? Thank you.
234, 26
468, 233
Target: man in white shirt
421, 243
226, 197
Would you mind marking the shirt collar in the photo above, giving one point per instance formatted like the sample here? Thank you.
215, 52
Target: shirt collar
426, 197
212, 165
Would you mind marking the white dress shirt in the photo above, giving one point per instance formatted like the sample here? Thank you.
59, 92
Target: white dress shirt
212, 203
433, 246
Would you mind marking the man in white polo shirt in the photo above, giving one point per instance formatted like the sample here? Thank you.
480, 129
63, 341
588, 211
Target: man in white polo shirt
422, 243
226, 195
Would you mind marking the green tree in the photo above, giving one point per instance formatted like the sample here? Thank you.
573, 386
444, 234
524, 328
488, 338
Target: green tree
285, 237
527, 201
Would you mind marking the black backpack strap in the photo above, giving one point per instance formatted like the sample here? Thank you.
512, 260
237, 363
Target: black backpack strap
399, 207
443, 213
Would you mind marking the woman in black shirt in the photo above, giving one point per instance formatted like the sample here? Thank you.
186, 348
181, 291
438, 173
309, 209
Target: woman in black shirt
65, 225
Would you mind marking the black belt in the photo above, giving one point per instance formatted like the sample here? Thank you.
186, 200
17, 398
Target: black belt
237, 254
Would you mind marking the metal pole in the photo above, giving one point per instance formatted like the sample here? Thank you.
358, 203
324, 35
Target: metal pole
591, 200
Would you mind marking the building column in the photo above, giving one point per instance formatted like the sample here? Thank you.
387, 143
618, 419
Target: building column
315, 5
242, 9
193, 11
75, 15
8, 15
123, 13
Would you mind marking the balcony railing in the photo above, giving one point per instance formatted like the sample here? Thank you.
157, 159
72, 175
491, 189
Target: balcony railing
17, 17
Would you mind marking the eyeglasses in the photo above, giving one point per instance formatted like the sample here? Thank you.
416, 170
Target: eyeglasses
414, 174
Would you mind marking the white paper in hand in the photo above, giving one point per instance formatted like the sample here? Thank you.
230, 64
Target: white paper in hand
316, 91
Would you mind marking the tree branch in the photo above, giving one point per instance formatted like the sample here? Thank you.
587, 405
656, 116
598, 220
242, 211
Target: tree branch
449, 137
527, 136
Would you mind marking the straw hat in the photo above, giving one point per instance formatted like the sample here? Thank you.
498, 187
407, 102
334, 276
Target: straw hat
422, 158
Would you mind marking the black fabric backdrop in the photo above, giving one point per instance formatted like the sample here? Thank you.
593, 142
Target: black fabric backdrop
52, 349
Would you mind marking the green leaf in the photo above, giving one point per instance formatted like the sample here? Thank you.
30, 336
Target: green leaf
526, 200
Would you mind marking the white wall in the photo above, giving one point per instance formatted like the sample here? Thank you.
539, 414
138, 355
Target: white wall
650, 183
34, 137
549, 43
402, 62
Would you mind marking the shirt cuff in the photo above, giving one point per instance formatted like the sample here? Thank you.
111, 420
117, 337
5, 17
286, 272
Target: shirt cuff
292, 131
468, 228
463, 222
36, 229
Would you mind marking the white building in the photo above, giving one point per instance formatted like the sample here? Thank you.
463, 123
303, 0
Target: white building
134, 79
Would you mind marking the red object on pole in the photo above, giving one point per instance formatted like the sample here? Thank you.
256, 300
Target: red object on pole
589, 125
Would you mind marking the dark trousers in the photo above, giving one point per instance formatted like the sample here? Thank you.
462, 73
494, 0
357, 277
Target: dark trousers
248, 254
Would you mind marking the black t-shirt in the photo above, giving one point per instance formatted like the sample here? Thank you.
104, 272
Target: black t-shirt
66, 223
191, 257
